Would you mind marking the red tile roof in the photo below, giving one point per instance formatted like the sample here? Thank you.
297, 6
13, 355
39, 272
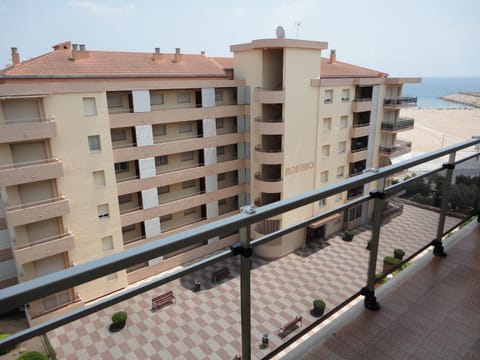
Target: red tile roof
341, 69
60, 63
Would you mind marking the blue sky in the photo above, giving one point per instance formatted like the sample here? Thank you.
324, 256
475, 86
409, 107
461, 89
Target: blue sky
402, 37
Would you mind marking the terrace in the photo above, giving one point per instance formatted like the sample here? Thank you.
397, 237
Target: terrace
232, 317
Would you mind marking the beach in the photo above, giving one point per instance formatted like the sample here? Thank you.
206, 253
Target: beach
435, 129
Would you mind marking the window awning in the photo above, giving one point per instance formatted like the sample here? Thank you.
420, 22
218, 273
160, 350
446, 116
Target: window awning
319, 223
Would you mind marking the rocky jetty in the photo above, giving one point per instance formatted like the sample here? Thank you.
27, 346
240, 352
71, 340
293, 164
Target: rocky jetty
467, 98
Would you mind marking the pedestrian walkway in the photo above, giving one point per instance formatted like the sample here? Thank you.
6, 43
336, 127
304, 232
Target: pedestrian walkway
206, 324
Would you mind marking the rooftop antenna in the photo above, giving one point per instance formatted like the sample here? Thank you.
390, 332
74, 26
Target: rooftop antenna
297, 25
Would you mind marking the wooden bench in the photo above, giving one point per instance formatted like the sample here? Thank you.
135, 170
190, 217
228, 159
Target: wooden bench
289, 327
220, 274
163, 299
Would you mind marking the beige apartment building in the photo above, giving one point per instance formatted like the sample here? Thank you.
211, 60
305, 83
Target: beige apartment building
103, 151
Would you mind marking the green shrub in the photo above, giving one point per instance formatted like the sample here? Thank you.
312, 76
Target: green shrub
7, 349
319, 304
390, 260
119, 317
398, 254
32, 355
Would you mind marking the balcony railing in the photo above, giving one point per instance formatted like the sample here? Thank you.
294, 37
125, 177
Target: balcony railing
400, 147
436, 194
401, 102
403, 123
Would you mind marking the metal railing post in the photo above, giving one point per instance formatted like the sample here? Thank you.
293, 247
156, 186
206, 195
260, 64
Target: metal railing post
244, 249
378, 196
438, 249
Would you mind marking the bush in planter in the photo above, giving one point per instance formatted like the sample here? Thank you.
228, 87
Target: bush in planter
7, 349
318, 307
118, 321
32, 355
349, 234
398, 254
389, 262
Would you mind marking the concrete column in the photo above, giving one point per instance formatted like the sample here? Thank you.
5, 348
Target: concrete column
243, 95
141, 100
209, 127
152, 227
208, 97
149, 198
144, 135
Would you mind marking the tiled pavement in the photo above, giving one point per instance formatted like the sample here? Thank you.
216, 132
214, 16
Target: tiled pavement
206, 324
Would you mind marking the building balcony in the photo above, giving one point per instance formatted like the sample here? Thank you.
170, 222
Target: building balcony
43, 248
426, 309
36, 211
269, 96
265, 184
269, 127
399, 148
358, 154
402, 124
28, 130
360, 130
361, 105
27, 172
400, 103
268, 156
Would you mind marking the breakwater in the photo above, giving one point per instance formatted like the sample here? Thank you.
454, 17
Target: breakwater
466, 98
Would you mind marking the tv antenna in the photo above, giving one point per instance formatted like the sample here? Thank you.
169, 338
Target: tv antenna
297, 26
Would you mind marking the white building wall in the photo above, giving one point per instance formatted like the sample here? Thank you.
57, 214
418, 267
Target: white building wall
141, 100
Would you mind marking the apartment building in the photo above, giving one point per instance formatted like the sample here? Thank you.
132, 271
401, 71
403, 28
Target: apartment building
103, 151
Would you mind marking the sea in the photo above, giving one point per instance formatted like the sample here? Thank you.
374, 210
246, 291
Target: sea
431, 88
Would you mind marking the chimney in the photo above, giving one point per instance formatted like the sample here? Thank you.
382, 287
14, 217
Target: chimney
178, 55
79, 52
202, 53
157, 56
66, 45
333, 56
15, 56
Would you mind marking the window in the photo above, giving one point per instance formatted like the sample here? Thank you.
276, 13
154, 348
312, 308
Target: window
340, 171
128, 228
166, 218
163, 189
342, 146
121, 167
188, 184
107, 243
189, 211
219, 124
94, 143
346, 95
218, 95
324, 176
114, 101
122, 199
89, 106
159, 130
184, 97
321, 203
186, 156
221, 177
343, 122
328, 97
161, 160
222, 202
354, 213
327, 124
99, 178
185, 128
325, 150
103, 211
118, 134
220, 150
156, 99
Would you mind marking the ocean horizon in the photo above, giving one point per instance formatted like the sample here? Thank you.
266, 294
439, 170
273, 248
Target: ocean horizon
431, 88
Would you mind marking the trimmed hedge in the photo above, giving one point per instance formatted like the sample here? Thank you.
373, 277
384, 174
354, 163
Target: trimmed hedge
32, 355
119, 317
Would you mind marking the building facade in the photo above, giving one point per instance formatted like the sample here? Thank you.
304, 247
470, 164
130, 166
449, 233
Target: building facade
102, 151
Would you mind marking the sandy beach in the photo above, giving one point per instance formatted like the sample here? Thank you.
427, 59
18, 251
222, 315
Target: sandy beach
435, 129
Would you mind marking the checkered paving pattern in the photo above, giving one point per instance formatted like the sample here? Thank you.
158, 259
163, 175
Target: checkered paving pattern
206, 324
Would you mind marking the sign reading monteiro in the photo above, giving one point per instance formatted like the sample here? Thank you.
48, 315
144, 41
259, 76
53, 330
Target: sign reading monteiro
290, 170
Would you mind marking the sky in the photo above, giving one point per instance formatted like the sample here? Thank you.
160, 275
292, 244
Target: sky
401, 37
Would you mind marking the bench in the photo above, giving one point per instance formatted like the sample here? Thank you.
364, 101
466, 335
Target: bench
163, 299
220, 274
289, 327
